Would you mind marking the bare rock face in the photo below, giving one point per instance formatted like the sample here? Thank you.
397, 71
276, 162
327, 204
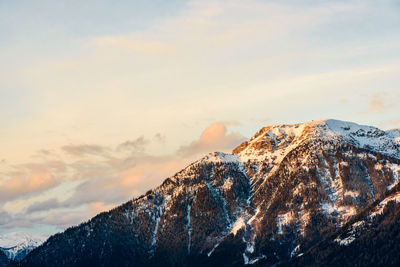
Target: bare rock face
274, 198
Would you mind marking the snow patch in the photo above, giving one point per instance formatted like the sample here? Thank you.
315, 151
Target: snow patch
367, 137
239, 224
189, 229
304, 220
295, 251
381, 206
346, 241
255, 260
328, 208
346, 212
344, 163
353, 194
284, 219
396, 170
219, 157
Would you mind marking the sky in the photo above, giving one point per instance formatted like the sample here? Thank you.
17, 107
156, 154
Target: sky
101, 100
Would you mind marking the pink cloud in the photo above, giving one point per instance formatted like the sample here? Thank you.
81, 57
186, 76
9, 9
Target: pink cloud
23, 184
97, 207
214, 138
390, 124
377, 104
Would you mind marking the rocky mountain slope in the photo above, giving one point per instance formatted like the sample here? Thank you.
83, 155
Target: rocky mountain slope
273, 199
370, 238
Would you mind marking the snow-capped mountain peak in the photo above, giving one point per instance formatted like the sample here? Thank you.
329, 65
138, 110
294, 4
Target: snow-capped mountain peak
271, 143
270, 201
16, 245
367, 137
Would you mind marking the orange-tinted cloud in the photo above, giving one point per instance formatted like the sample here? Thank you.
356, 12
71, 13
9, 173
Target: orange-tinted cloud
390, 124
98, 207
149, 175
131, 176
377, 104
214, 138
23, 184
63, 219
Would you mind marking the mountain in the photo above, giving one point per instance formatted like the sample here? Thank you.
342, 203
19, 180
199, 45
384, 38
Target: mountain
371, 237
4, 261
270, 202
16, 245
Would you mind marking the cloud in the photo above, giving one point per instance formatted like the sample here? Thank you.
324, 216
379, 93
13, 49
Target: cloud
131, 43
51, 165
390, 124
26, 184
159, 138
192, 50
65, 219
82, 150
377, 104
102, 182
24, 181
214, 138
5, 218
46, 205
119, 181
62, 219
38, 192
137, 145
105, 188
99, 206
45, 152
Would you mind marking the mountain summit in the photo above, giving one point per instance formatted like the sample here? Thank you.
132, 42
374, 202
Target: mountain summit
271, 201
16, 245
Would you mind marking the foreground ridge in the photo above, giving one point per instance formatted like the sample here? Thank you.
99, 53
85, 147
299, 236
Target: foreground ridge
270, 201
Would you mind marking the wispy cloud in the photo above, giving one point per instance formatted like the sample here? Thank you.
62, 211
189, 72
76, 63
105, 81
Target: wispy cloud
105, 176
390, 124
226, 60
46, 205
25, 184
159, 138
82, 150
377, 104
137, 145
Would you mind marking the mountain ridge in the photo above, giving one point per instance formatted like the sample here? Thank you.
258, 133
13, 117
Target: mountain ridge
274, 198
